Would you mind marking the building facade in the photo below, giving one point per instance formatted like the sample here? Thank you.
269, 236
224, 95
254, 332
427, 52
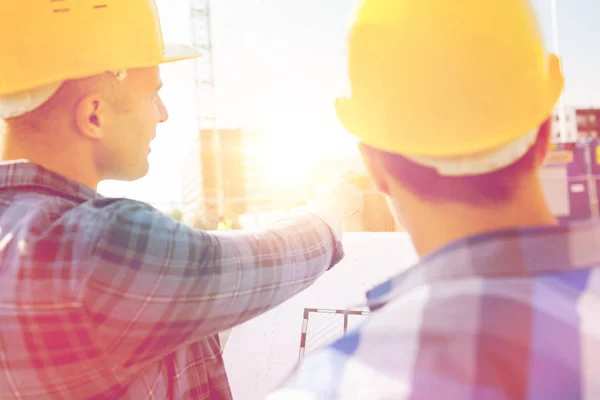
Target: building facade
580, 123
243, 176
588, 122
570, 125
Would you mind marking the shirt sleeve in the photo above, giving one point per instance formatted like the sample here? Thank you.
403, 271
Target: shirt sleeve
156, 284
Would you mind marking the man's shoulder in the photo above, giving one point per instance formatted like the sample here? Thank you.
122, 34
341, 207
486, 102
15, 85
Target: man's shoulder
50, 209
42, 220
448, 333
476, 313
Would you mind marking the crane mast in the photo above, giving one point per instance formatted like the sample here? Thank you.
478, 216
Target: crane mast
208, 143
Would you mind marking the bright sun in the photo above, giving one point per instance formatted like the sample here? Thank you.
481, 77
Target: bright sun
289, 160
295, 142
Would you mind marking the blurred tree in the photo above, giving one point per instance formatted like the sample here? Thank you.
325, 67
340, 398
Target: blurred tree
176, 214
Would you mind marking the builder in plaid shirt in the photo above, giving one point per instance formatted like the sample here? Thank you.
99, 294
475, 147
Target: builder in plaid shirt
108, 298
452, 100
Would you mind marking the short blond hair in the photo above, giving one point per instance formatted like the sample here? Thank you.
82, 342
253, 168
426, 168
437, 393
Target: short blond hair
66, 98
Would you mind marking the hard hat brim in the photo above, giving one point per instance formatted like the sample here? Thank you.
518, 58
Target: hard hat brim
178, 52
170, 53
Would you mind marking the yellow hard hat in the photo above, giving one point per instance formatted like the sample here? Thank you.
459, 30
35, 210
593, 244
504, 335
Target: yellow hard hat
439, 78
47, 41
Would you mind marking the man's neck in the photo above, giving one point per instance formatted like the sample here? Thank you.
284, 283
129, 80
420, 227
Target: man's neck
434, 226
64, 160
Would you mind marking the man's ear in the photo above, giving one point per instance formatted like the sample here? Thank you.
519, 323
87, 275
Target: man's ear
375, 169
90, 116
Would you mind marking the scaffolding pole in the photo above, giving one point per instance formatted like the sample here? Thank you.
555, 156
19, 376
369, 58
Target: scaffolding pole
556, 49
210, 147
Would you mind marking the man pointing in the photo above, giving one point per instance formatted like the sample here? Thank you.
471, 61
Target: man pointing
108, 298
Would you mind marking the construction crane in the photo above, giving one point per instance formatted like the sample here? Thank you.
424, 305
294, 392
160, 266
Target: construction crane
208, 144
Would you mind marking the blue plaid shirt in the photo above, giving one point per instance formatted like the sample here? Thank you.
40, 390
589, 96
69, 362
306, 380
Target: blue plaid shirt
511, 315
110, 299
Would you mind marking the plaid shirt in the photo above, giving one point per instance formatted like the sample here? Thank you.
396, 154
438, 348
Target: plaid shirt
108, 298
511, 315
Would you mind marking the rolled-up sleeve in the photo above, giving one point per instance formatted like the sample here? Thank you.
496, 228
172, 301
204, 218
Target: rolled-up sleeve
156, 284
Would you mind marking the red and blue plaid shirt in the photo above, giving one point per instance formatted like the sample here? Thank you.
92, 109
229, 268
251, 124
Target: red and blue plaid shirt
511, 315
108, 298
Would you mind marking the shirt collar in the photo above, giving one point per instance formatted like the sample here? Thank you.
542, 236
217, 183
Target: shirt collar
23, 175
510, 253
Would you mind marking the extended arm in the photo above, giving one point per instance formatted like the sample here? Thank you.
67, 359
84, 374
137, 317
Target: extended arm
157, 284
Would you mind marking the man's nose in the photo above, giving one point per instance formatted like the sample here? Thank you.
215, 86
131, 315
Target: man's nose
162, 110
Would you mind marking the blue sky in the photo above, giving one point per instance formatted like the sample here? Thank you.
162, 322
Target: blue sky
580, 47
279, 65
